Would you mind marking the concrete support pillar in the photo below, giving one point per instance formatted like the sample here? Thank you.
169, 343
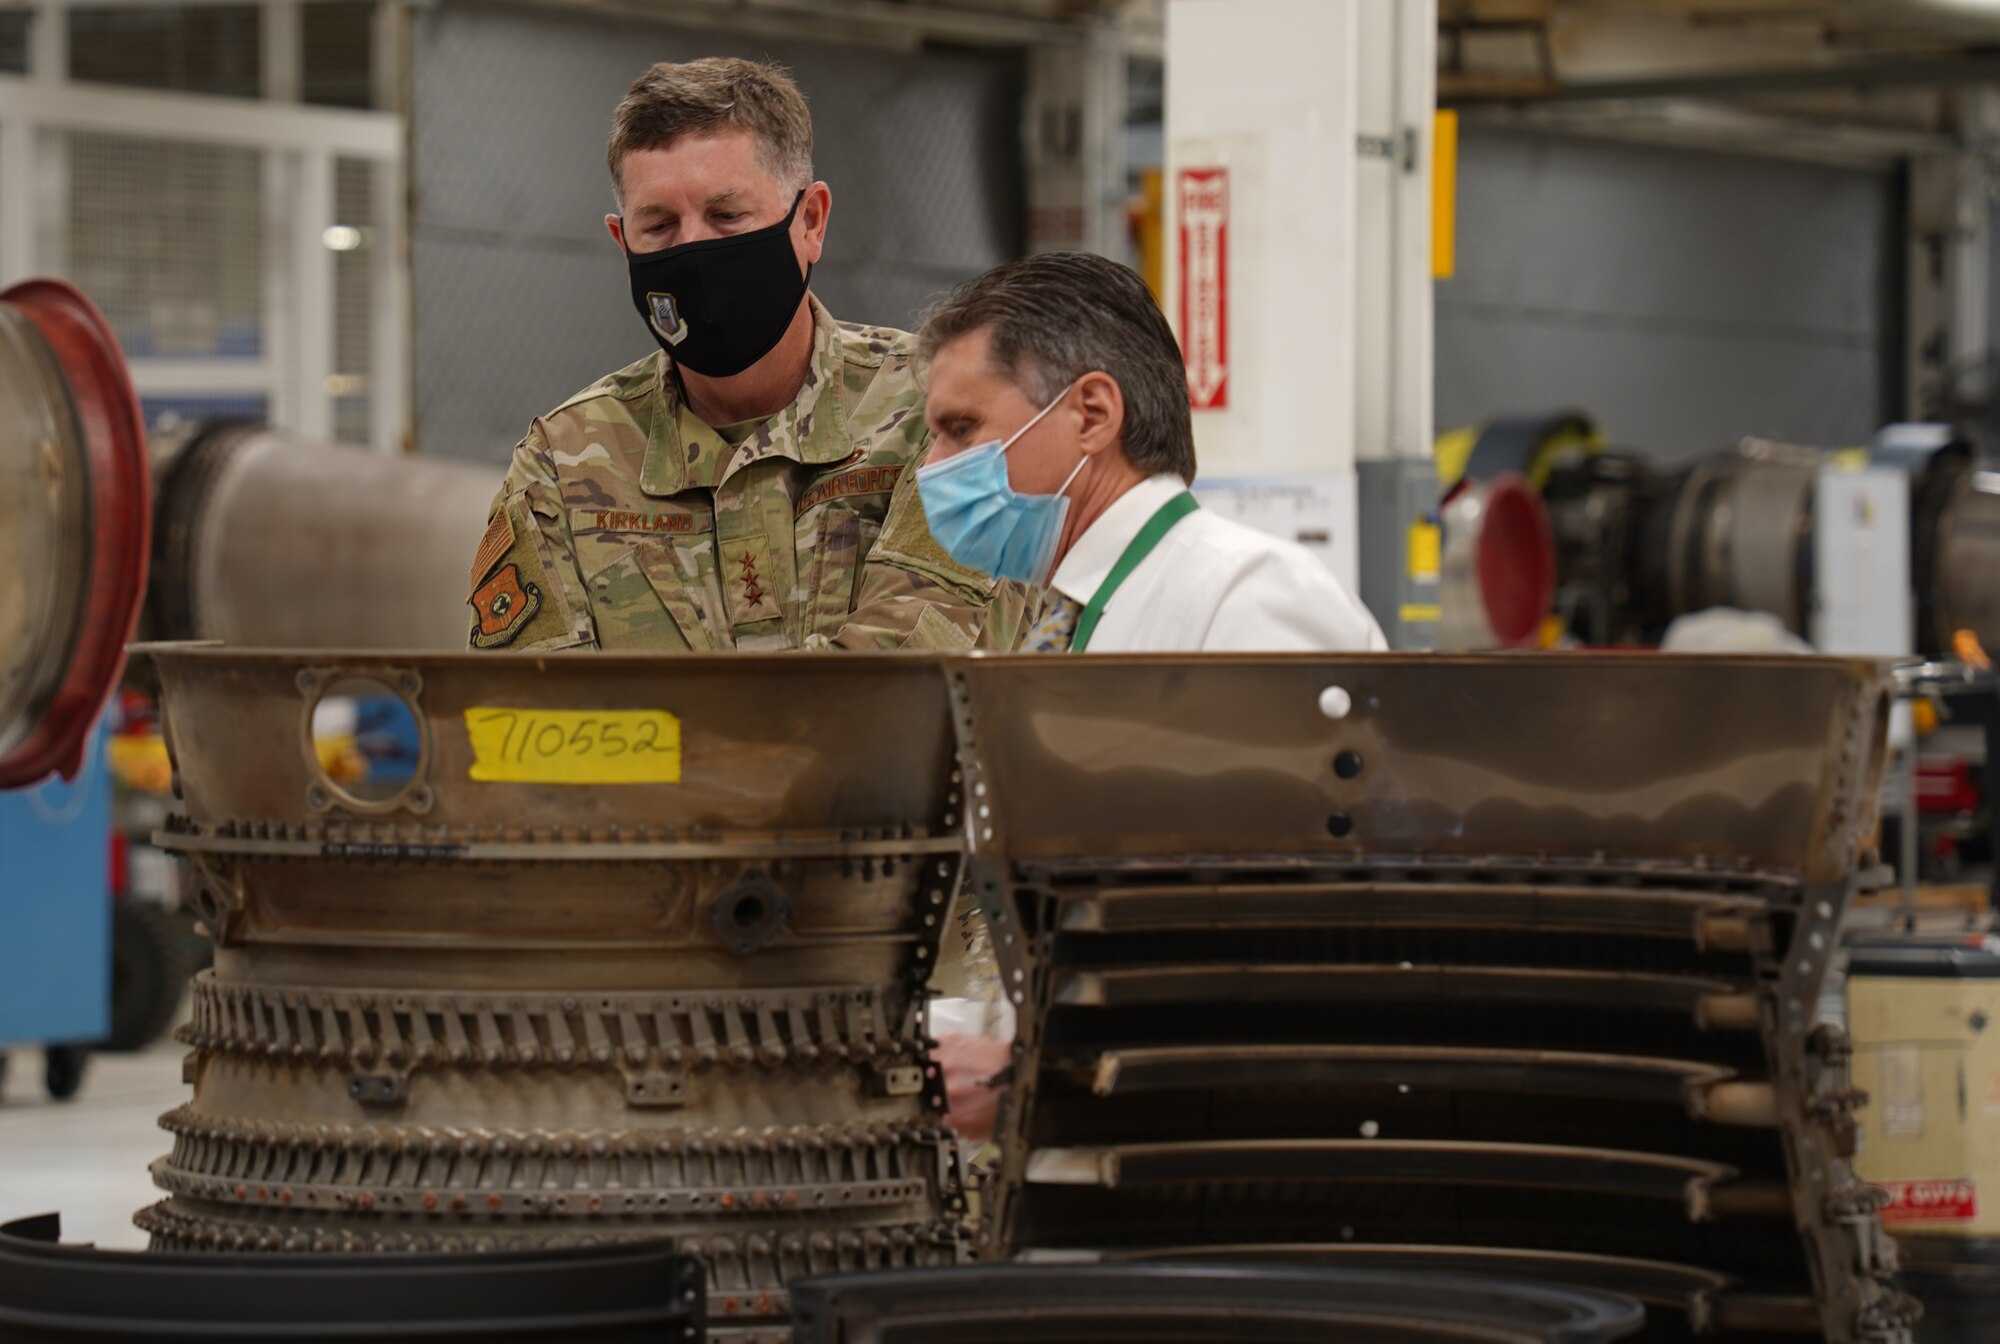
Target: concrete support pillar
1298, 249
1076, 144
1950, 289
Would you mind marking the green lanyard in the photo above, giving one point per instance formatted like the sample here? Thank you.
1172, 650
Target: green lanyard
1141, 546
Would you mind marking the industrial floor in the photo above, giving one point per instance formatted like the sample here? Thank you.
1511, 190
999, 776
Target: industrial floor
86, 1158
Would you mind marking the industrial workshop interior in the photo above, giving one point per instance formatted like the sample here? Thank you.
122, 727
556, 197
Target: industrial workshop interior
973, 671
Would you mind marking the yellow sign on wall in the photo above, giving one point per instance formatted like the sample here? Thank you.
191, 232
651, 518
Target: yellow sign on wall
1444, 195
1426, 546
574, 746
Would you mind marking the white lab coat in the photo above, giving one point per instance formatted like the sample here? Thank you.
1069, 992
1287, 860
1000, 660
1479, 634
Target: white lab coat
1211, 584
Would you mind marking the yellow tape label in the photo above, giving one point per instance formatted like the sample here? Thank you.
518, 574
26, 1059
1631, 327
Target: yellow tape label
1426, 546
574, 746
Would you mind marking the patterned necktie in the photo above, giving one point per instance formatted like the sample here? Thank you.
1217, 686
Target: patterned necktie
1057, 626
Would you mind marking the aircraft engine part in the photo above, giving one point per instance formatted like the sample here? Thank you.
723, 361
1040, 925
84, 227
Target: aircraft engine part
1638, 546
1434, 962
1741, 535
1965, 558
1226, 1304
638, 949
1497, 577
266, 541
56, 1294
73, 520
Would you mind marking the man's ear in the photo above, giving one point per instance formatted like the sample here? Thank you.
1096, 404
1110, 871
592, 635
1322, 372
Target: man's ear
616, 227
814, 211
1100, 405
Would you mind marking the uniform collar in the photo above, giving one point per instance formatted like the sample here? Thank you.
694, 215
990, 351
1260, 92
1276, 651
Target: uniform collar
812, 429
1090, 559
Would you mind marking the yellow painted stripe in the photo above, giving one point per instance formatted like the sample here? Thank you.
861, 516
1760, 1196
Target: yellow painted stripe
1416, 613
1444, 195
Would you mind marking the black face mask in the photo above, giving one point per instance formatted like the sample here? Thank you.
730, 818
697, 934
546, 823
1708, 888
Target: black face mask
720, 305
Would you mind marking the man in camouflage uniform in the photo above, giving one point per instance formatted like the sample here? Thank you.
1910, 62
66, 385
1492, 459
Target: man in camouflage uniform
772, 506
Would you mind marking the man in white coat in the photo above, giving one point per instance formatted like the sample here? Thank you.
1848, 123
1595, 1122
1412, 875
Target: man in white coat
1063, 454
1063, 457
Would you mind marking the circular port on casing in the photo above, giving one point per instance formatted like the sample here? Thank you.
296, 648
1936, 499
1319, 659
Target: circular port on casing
367, 747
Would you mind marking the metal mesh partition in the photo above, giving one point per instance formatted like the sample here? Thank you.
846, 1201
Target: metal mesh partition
211, 49
183, 275
353, 238
177, 163
337, 53
14, 41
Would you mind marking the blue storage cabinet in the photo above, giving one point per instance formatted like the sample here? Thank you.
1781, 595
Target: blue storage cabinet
55, 908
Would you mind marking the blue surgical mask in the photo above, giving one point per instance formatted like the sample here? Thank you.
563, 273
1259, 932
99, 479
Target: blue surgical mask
983, 522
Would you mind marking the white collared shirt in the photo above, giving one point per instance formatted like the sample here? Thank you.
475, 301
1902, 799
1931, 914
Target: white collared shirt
1211, 584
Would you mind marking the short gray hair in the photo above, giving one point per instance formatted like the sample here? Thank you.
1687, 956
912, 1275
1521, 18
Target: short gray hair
713, 94
1054, 317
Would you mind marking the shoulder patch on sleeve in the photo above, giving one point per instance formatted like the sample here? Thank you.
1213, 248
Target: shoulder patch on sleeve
906, 542
499, 539
517, 601
504, 605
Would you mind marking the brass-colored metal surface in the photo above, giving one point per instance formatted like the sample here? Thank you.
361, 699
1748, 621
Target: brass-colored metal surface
1126, 986
1362, 899
1541, 1073
1613, 761
491, 1014
1514, 1165
1425, 928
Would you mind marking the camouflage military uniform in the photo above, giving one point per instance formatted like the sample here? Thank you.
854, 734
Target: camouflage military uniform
627, 523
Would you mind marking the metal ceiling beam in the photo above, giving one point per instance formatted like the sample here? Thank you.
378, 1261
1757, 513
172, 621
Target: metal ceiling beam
1980, 67
849, 20
1712, 126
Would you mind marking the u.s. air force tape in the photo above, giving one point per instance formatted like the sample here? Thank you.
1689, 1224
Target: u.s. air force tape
859, 481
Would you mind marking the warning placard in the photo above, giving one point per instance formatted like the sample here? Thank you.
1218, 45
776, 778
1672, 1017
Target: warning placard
1944, 1201
1204, 283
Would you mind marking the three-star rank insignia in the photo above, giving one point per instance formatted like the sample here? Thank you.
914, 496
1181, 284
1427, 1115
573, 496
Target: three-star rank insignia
743, 566
504, 606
